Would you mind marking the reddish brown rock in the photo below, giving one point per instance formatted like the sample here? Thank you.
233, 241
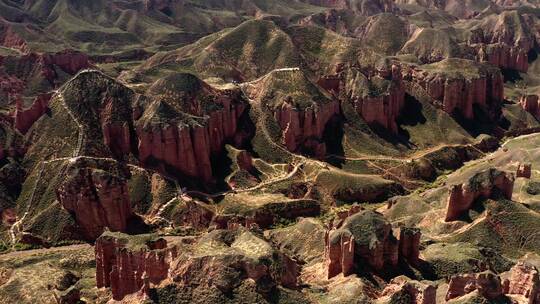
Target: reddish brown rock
97, 199
459, 93
128, 263
299, 126
376, 247
524, 280
182, 132
505, 57
25, 118
409, 244
524, 170
531, 104
244, 160
486, 283
339, 253
486, 184
420, 293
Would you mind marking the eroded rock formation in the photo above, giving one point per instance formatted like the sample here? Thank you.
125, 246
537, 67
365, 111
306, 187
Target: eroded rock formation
459, 84
97, 199
524, 170
25, 118
186, 142
486, 283
531, 104
127, 264
366, 239
524, 281
419, 292
486, 184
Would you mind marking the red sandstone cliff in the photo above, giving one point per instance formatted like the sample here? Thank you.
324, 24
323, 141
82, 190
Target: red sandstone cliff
25, 118
523, 280
186, 144
531, 104
524, 170
486, 184
97, 199
351, 245
298, 127
487, 283
127, 263
459, 94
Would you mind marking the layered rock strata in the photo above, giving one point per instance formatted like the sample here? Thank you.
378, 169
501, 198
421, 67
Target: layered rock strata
207, 119
486, 283
521, 284
25, 118
459, 84
376, 247
531, 104
98, 200
486, 184
128, 264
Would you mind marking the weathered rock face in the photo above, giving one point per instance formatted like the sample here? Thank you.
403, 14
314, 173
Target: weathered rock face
9, 38
531, 104
524, 280
365, 238
504, 56
339, 253
487, 283
420, 293
298, 127
224, 258
126, 263
486, 184
97, 199
521, 281
524, 170
409, 244
380, 108
300, 108
186, 144
25, 118
459, 93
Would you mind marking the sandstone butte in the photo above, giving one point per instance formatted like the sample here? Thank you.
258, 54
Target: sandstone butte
127, 264
347, 245
98, 200
491, 183
521, 284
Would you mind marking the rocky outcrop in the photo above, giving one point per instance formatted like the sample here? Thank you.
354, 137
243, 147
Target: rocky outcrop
181, 133
365, 239
25, 118
301, 110
126, 263
362, 7
521, 284
303, 130
491, 183
486, 283
339, 253
523, 281
531, 104
97, 199
504, 56
409, 244
379, 98
222, 259
524, 170
419, 292
459, 84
